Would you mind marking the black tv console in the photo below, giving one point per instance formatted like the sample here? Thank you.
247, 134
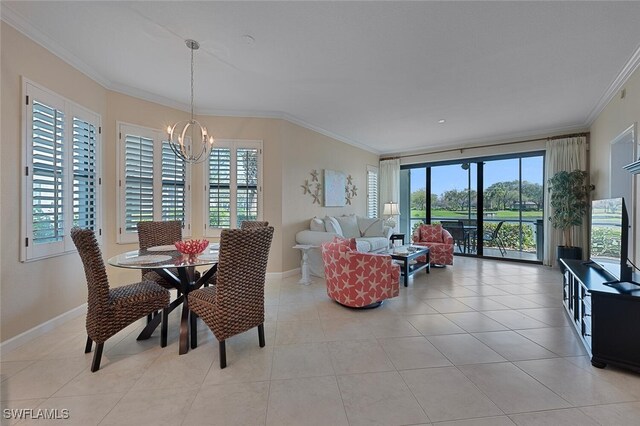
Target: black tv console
605, 313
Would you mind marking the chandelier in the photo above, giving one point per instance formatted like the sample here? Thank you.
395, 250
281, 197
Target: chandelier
179, 132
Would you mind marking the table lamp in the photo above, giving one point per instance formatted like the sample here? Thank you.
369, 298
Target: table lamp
391, 210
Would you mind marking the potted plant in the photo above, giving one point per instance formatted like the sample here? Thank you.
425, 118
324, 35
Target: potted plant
569, 202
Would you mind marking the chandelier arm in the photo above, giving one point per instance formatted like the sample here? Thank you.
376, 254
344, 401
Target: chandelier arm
203, 150
173, 147
183, 139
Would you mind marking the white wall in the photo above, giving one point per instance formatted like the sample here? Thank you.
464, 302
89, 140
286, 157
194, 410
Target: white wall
617, 116
34, 292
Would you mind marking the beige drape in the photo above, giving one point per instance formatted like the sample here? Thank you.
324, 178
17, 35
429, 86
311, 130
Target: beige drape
389, 183
562, 155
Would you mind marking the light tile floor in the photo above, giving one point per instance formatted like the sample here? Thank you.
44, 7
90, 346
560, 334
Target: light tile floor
479, 343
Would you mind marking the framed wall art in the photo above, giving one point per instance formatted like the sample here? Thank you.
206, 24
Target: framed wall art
334, 188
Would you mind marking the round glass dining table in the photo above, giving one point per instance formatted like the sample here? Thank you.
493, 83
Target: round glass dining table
166, 261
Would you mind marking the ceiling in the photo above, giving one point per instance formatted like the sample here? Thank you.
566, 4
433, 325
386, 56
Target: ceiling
375, 74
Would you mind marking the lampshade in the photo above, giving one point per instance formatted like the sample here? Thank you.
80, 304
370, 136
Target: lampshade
391, 209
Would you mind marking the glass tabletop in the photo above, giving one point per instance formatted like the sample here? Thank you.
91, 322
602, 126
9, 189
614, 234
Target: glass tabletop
154, 258
407, 250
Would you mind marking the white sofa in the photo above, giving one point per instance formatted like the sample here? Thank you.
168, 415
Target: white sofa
371, 235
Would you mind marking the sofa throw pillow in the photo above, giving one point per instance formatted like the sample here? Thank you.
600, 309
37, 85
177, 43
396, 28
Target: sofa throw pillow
431, 233
373, 227
317, 224
332, 225
347, 242
349, 226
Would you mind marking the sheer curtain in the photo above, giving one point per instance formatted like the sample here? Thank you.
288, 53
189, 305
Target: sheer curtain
562, 155
389, 183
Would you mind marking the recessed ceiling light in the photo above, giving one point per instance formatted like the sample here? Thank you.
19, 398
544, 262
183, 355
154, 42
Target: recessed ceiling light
442, 120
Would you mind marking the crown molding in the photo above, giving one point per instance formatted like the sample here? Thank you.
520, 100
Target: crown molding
161, 100
241, 113
482, 142
615, 86
23, 26
148, 96
295, 120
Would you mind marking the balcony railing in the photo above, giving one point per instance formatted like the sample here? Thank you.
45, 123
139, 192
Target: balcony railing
526, 240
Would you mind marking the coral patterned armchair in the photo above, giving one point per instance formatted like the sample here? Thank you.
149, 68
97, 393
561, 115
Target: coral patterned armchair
358, 279
439, 241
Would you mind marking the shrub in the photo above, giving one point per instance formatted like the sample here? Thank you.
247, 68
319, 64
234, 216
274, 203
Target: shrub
510, 236
606, 242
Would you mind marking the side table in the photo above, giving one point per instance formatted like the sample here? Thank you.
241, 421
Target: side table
304, 266
396, 237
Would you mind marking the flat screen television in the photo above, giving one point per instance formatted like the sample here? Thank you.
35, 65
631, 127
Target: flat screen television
610, 237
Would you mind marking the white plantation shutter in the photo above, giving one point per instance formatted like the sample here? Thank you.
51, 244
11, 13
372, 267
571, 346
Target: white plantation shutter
174, 176
233, 192
372, 191
138, 181
247, 184
85, 174
154, 182
47, 173
61, 180
220, 188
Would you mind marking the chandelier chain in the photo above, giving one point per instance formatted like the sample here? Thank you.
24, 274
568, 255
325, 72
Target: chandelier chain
192, 83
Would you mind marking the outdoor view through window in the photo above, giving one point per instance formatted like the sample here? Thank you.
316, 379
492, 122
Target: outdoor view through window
512, 201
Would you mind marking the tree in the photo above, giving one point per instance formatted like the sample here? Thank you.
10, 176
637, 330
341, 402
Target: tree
435, 201
454, 199
533, 192
500, 195
419, 199
569, 201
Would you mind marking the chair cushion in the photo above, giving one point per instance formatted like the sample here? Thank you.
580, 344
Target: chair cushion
140, 296
349, 226
431, 233
155, 277
371, 227
332, 225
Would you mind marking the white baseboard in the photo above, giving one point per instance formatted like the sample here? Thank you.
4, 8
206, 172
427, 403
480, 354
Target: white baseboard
39, 330
291, 273
285, 274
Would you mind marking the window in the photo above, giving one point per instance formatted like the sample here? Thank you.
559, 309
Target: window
494, 203
372, 191
61, 172
153, 183
234, 188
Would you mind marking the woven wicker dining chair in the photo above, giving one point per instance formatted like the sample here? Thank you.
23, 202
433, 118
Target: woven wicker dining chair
111, 310
236, 303
253, 224
152, 234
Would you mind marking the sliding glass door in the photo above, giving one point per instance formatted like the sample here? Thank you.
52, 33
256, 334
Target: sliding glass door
512, 217
454, 201
491, 206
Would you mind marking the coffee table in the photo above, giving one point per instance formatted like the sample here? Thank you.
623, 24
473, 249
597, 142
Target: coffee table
408, 256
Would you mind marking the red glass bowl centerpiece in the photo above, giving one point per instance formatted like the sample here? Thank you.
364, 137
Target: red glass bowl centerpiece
191, 248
